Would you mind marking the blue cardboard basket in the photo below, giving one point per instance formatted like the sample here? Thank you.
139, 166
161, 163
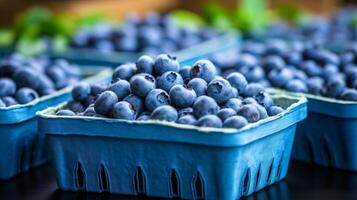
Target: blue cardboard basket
94, 57
164, 159
328, 136
21, 146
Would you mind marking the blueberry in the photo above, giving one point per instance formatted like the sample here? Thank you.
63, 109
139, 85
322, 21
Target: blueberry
25, 95
185, 111
274, 110
90, 111
250, 112
9, 70
335, 87
142, 84
233, 103
126, 44
329, 71
145, 64
9, 101
187, 119
165, 113
165, 63
185, 72
168, 80
225, 113
238, 81
299, 74
234, 93
198, 85
7, 87
58, 76
279, 78
209, 121
97, 89
204, 69
311, 68
236, 122
249, 100
124, 71
144, 116
105, 102
246, 60
123, 110
315, 85
150, 36
121, 88
263, 113
81, 91
220, 90
156, 98
26, 77
204, 105
136, 102
182, 96
253, 73
75, 106
65, 113
2, 104
252, 89
349, 95
296, 86
264, 99
45, 86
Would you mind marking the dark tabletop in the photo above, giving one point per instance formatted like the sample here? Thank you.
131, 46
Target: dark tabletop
304, 181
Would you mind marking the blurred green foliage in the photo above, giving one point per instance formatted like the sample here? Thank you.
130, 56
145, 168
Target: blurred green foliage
291, 14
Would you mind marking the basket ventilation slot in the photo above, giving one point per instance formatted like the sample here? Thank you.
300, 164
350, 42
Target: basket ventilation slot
246, 182
329, 157
80, 179
140, 181
269, 172
280, 169
199, 189
174, 184
257, 178
103, 179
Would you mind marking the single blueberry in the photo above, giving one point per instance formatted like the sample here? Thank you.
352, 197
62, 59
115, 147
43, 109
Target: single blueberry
225, 113
165, 63
123, 110
75, 106
90, 111
25, 95
274, 110
238, 81
156, 98
142, 84
335, 86
182, 96
187, 119
65, 113
315, 85
168, 80
9, 101
234, 103
204, 69
236, 122
7, 87
136, 102
198, 85
209, 121
46, 86
279, 78
349, 95
26, 77
263, 113
121, 88
250, 112
253, 73
124, 71
58, 76
205, 105
296, 86
249, 100
145, 64
105, 102
252, 89
220, 90
81, 91
185, 111
264, 99
311, 68
97, 89
165, 113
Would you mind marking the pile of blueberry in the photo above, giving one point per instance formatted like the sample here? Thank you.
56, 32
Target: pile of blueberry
153, 34
23, 80
158, 89
295, 66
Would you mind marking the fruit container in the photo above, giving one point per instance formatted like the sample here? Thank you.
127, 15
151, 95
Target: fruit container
327, 136
94, 57
164, 159
22, 147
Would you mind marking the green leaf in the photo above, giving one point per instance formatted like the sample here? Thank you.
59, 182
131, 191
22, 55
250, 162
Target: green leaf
90, 19
217, 16
60, 44
291, 14
30, 46
6, 37
187, 18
